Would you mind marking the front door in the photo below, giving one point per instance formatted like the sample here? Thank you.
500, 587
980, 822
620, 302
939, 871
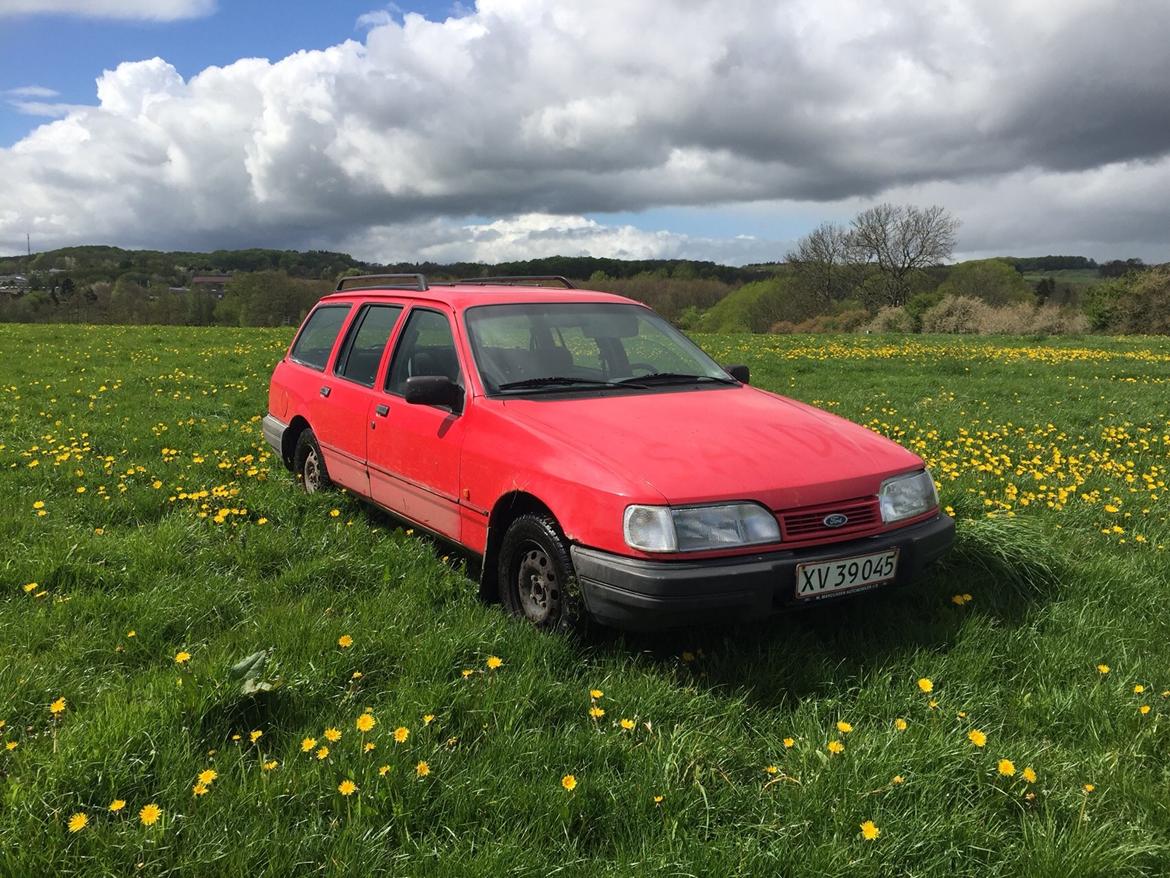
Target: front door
413, 450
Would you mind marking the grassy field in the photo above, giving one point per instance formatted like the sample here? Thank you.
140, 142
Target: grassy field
150, 543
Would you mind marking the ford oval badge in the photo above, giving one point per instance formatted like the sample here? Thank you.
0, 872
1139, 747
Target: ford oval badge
835, 520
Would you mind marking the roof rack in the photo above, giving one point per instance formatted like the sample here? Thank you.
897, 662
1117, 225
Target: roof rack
383, 282
533, 280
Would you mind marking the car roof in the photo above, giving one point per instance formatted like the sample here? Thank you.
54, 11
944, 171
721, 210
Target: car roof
462, 296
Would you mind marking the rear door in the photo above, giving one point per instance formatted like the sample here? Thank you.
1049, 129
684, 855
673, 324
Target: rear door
414, 449
344, 399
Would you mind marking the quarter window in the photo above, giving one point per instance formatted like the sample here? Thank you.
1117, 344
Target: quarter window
316, 339
362, 351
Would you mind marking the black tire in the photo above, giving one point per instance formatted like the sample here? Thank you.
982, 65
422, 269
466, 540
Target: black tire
309, 464
536, 577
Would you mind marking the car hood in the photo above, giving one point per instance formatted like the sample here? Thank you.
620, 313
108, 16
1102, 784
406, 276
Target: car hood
704, 445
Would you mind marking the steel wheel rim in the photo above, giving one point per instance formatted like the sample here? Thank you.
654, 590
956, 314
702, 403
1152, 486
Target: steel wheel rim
312, 471
536, 583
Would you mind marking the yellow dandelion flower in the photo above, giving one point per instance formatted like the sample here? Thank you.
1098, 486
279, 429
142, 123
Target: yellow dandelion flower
1028, 774
199, 789
10, 745
569, 782
208, 775
369, 747
1088, 788
401, 734
597, 712
422, 769
1103, 669
658, 800
182, 657
117, 805
322, 753
1139, 689
869, 830
900, 724
356, 675
78, 821
150, 814
596, 693
347, 787
835, 747
467, 672
843, 727
428, 718
255, 735
270, 764
771, 769
789, 743
334, 513
383, 770
39, 504
332, 735
30, 587
626, 724
897, 780
345, 641
308, 744
1144, 709
925, 684
1006, 767
977, 738
365, 722
493, 662
57, 707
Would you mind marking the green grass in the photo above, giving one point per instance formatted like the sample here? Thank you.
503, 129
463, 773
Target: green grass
1038, 449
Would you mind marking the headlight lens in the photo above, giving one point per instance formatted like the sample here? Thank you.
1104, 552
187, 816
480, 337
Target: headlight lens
694, 528
906, 496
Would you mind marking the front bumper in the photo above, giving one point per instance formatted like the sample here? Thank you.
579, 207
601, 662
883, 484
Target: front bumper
274, 429
638, 594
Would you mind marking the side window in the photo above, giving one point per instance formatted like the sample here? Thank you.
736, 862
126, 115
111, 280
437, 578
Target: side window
426, 347
362, 350
316, 338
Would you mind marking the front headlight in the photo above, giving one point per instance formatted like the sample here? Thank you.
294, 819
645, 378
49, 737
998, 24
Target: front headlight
694, 528
907, 496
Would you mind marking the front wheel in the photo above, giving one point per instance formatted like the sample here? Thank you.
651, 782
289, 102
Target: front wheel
536, 575
309, 464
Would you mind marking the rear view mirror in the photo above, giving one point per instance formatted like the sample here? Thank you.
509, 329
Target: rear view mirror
742, 374
434, 390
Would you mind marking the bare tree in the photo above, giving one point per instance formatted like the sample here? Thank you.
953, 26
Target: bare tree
820, 261
901, 240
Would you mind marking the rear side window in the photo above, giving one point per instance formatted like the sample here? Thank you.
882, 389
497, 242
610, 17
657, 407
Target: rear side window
362, 351
313, 345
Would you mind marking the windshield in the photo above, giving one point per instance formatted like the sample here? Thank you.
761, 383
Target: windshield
582, 346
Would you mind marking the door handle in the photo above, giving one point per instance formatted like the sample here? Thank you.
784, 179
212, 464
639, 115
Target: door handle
381, 410
325, 390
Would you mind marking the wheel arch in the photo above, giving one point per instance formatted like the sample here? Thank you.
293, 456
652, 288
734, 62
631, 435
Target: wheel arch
288, 443
507, 509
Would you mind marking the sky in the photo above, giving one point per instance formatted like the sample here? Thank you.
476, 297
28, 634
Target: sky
513, 129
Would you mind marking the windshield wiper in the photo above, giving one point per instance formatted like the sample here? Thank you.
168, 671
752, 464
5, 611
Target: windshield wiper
556, 381
673, 378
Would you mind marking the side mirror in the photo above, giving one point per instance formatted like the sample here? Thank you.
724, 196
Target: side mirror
742, 374
434, 390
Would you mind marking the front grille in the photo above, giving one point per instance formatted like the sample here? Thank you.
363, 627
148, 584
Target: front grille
800, 525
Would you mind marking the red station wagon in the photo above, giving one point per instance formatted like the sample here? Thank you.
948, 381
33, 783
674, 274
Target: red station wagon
594, 457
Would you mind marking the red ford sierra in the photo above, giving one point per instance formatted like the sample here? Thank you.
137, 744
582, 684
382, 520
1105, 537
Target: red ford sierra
594, 457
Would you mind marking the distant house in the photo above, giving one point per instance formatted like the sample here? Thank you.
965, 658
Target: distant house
210, 283
14, 284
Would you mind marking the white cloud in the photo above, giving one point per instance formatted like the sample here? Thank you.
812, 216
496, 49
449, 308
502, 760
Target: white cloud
1048, 125
153, 10
31, 91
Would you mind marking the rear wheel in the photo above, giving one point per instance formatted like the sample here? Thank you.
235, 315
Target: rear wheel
536, 577
309, 465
